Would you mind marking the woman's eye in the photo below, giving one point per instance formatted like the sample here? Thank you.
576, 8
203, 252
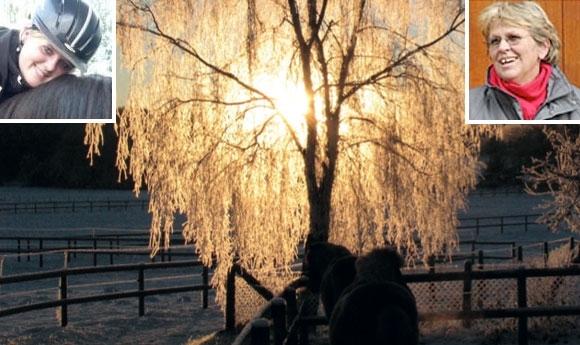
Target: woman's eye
494, 41
47, 50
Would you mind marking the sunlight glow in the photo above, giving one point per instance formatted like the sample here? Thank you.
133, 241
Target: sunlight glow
290, 102
290, 99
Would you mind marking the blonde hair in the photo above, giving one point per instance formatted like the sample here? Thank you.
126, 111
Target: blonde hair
528, 15
34, 33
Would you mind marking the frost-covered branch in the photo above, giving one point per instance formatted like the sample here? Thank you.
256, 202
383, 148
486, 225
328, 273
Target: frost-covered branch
558, 175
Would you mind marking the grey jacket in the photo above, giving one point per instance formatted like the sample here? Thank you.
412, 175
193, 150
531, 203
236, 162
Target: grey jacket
490, 103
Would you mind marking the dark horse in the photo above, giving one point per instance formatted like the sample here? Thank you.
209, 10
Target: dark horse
330, 269
319, 257
67, 97
378, 308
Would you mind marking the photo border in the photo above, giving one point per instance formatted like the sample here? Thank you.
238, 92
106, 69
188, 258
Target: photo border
113, 84
466, 94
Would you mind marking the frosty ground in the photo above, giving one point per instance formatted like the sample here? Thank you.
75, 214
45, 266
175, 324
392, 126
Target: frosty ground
178, 319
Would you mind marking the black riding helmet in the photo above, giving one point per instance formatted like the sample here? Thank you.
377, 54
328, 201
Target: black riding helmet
72, 27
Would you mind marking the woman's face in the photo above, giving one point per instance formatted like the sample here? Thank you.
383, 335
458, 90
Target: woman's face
39, 62
514, 53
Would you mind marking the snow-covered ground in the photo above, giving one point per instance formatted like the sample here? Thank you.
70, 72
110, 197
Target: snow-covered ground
178, 319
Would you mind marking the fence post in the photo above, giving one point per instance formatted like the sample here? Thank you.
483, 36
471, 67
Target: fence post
291, 303
141, 280
467, 293
111, 254
19, 250
480, 259
279, 320
162, 240
63, 296
205, 293
292, 313
431, 263
260, 332
231, 300
95, 252
68, 247
41, 257
546, 254
522, 303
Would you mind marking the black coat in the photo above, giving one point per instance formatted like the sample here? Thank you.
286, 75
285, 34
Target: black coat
11, 81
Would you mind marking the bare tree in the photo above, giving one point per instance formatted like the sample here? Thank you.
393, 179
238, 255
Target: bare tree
558, 176
269, 123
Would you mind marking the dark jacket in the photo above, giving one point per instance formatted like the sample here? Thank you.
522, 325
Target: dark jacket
490, 103
11, 81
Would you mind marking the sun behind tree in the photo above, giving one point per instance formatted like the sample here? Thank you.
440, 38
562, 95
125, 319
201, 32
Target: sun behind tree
215, 125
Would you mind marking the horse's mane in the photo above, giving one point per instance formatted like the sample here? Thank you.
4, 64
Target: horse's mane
67, 97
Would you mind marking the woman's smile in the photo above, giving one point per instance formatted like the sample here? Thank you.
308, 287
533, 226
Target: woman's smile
515, 55
39, 62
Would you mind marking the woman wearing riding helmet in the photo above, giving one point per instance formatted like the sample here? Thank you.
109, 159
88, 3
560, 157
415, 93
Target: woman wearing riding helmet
64, 35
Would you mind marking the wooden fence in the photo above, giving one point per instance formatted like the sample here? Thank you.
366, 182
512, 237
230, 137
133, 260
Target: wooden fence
280, 317
71, 206
64, 300
524, 221
111, 245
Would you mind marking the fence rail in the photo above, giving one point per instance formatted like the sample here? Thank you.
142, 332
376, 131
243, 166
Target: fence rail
287, 326
96, 245
71, 206
64, 300
502, 222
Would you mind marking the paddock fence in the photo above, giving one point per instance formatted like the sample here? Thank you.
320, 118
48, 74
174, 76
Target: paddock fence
72, 206
501, 223
99, 243
111, 243
63, 281
511, 299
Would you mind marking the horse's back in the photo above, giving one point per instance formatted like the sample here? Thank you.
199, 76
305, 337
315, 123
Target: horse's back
67, 97
375, 313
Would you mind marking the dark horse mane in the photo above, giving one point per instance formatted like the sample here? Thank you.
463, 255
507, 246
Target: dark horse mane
67, 97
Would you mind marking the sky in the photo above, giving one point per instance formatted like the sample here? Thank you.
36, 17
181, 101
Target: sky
123, 76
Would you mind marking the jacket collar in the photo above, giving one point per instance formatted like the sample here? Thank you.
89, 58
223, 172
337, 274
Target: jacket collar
12, 81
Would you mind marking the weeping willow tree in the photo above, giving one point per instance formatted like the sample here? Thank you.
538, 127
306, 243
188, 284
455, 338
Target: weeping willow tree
271, 123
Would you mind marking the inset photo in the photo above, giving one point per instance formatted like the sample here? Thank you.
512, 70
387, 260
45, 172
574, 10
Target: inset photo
57, 61
523, 62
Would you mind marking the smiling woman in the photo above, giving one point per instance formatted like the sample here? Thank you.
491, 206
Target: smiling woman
62, 35
524, 81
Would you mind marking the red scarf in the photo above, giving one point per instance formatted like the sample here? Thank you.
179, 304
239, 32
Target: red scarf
531, 96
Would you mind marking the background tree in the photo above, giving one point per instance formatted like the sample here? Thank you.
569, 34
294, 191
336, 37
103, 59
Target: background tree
558, 176
270, 122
